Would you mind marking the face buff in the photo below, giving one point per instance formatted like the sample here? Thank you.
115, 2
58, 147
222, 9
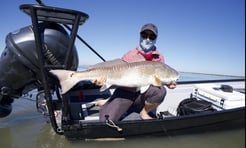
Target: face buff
147, 45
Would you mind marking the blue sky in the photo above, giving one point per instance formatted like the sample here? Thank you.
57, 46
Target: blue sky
205, 36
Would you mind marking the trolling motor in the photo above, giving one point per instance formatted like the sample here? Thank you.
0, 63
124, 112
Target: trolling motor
19, 69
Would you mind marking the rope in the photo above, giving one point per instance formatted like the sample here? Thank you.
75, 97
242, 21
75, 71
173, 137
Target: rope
110, 123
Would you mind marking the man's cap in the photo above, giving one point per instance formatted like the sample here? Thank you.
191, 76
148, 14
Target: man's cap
151, 27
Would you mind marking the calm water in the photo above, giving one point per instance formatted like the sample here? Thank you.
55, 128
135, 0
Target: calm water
196, 77
25, 127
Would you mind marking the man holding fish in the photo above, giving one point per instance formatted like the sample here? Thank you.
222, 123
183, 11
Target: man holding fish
125, 98
139, 77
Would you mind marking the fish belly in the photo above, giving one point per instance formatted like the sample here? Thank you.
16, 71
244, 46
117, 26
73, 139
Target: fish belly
129, 82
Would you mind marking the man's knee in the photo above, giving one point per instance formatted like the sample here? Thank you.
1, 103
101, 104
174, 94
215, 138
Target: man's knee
155, 94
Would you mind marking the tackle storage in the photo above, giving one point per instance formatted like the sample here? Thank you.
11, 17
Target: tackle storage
221, 96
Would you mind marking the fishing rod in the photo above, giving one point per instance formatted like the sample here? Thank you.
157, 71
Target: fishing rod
83, 41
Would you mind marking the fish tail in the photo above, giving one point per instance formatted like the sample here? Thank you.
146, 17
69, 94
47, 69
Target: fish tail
67, 79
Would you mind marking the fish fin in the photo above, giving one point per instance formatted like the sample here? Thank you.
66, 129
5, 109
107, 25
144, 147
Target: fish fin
67, 79
144, 88
157, 81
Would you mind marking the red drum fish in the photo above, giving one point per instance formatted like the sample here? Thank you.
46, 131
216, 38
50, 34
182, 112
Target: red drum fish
137, 74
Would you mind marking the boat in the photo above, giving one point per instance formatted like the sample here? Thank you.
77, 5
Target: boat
194, 106
81, 120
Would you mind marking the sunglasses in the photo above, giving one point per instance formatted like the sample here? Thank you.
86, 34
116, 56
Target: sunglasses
150, 36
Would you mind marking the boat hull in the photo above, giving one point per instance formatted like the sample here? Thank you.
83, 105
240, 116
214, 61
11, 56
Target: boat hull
219, 120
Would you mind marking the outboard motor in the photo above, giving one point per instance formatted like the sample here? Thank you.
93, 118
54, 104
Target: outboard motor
19, 66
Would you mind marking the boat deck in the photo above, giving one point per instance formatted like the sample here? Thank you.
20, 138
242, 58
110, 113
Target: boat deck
168, 106
175, 96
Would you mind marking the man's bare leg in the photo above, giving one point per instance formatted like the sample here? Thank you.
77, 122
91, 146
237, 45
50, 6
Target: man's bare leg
146, 109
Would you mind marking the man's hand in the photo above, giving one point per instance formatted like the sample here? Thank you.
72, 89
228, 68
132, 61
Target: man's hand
100, 81
172, 85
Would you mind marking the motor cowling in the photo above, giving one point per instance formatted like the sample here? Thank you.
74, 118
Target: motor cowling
19, 65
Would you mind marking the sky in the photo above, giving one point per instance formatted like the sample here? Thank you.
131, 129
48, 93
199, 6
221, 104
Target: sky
202, 36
